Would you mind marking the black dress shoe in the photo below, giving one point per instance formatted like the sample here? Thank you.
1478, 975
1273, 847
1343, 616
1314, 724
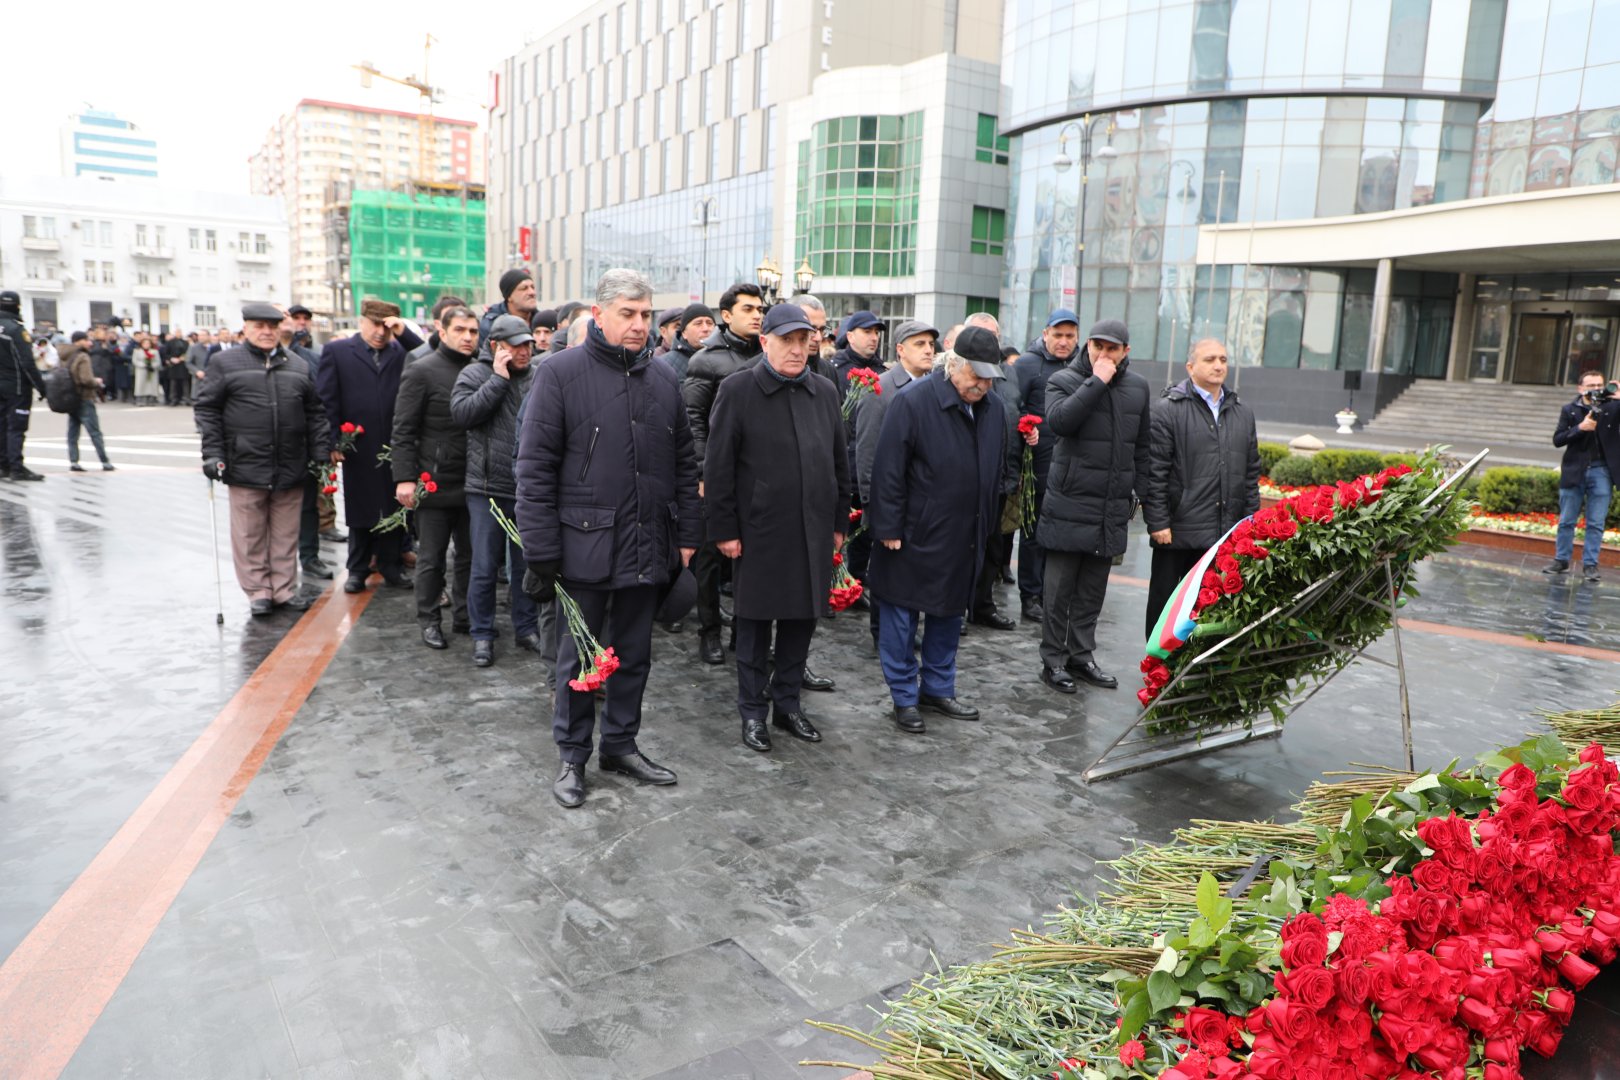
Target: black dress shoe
812, 681
530, 642
1032, 611
798, 725
909, 720
637, 767
569, 790
995, 621
756, 736
1059, 680
295, 602
1091, 673
25, 473
76, 467
1007, 578
317, 569
948, 706
260, 608
483, 654
709, 647
354, 583
433, 637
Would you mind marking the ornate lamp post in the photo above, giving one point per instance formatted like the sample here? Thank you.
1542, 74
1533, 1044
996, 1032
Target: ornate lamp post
1085, 128
804, 277
769, 277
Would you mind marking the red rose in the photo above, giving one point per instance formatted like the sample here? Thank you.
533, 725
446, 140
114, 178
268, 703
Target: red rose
1312, 987
1579, 972
1292, 1023
1207, 1029
1146, 696
1432, 874
1561, 1003
347, 429
359, 430
1304, 952
1207, 597
1232, 583
1517, 777
328, 489
1353, 981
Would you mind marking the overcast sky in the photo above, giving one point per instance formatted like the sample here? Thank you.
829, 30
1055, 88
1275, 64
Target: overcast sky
207, 80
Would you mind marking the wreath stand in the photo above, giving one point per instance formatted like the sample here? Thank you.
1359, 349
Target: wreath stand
1375, 583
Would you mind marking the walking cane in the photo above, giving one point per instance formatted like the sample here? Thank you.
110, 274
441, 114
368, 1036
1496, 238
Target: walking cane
213, 524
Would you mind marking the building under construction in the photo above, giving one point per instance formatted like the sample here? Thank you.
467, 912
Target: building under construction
408, 246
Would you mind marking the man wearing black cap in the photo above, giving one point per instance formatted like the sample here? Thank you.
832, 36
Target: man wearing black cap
694, 325
1098, 415
517, 298
1045, 358
301, 317
19, 381
777, 497
262, 428
935, 481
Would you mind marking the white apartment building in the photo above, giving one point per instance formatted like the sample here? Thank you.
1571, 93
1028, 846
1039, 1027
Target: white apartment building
311, 156
82, 252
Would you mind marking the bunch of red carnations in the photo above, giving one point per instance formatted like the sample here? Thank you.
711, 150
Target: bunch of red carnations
860, 382
846, 588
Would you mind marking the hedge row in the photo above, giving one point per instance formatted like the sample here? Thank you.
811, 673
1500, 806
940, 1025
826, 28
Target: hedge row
1325, 466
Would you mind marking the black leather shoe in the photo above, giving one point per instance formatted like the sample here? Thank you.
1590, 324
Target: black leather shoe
25, 473
812, 681
1007, 578
75, 467
354, 583
1091, 673
295, 602
909, 720
317, 569
798, 725
948, 706
398, 581
1059, 680
637, 767
569, 790
756, 736
530, 642
483, 654
995, 621
709, 647
433, 637
1557, 566
1032, 611
260, 608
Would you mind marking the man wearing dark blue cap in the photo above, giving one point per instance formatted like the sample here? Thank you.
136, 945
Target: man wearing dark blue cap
776, 489
1045, 358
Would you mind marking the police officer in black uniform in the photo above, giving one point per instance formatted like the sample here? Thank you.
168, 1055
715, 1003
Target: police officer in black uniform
19, 380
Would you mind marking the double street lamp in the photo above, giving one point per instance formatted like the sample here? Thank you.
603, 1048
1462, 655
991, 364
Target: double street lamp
1085, 128
769, 277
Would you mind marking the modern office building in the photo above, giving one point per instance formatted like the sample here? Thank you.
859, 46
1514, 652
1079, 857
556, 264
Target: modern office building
83, 252
102, 145
1411, 189
322, 143
696, 140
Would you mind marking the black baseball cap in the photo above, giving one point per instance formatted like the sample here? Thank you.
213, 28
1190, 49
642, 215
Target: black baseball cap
981, 349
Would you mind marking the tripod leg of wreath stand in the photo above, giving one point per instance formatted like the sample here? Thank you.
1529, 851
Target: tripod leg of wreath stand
1400, 670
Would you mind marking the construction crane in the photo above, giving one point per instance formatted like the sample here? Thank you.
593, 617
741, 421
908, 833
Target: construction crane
426, 141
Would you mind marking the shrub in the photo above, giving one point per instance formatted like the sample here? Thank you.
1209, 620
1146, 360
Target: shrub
1294, 471
1330, 466
1270, 454
1516, 490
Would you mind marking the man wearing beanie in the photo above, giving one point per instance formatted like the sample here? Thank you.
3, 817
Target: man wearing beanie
542, 324
517, 298
693, 327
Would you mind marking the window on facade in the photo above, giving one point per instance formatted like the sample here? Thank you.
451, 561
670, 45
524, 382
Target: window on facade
142, 275
860, 184
160, 235
39, 228
762, 76
204, 315
106, 234
140, 235
733, 89
989, 231
717, 31
89, 271
992, 148
989, 305
106, 273
261, 243
242, 242
691, 47
210, 241
688, 159
707, 100
680, 105
194, 239
743, 12
742, 144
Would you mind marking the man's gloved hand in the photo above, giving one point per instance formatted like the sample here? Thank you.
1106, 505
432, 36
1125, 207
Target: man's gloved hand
540, 581
214, 470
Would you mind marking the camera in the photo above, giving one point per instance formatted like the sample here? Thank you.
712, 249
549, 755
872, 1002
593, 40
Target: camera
1602, 394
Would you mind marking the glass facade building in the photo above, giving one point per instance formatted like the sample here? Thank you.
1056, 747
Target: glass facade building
1256, 111
859, 180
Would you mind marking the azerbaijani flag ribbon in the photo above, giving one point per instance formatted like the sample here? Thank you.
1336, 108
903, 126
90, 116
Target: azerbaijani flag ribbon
1175, 625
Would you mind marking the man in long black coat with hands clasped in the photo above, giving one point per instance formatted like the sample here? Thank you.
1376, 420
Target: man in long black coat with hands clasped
776, 481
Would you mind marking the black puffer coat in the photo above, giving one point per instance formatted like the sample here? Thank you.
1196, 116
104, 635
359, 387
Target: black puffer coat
1100, 431
606, 481
426, 437
487, 407
261, 416
723, 355
1204, 475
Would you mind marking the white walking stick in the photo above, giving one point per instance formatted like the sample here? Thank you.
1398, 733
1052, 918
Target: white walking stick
219, 589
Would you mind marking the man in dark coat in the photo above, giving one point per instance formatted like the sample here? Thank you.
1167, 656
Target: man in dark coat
20, 380
776, 494
518, 297
316, 505
486, 401
358, 382
607, 505
1044, 359
732, 348
428, 442
1098, 412
666, 330
1203, 473
860, 340
694, 325
935, 482
262, 428
1588, 432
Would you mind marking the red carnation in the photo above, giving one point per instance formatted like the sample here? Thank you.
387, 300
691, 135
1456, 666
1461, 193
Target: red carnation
430, 486
1131, 1053
425, 477
347, 429
1028, 423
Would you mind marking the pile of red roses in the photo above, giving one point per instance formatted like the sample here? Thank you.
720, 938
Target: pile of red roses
1460, 968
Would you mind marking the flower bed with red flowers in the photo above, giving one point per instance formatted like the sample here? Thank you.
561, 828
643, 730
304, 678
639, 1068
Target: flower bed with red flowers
1265, 562
1408, 925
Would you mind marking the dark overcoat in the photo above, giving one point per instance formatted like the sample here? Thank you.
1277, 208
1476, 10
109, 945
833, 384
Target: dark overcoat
775, 477
1100, 436
935, 485
1204, 475
606, 480
426, 436
355, 390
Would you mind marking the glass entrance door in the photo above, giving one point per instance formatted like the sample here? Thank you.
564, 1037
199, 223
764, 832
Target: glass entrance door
1591, 344
1539, 349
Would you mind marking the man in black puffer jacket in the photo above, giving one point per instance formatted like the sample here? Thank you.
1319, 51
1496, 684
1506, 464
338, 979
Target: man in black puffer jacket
428, 441
1204, 476
1098, 414
607, 505
262, 427
486, 401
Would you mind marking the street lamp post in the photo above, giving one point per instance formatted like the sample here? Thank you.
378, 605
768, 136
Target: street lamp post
804, 277
1085, 128
705, 212
769, 277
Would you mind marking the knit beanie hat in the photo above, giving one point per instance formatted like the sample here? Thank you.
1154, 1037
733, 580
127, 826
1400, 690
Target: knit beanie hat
511, 280
694, 311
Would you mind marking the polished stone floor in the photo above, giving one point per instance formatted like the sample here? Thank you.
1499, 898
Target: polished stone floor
396, 894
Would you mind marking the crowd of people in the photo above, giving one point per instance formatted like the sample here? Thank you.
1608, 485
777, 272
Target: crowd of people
618, 467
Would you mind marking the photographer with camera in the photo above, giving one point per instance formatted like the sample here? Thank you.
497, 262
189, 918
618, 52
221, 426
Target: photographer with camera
1589, 432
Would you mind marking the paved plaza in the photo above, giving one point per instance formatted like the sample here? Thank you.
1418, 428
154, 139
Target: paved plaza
394, 893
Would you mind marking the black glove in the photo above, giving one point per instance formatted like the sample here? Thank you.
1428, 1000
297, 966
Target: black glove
214, 470
540, 581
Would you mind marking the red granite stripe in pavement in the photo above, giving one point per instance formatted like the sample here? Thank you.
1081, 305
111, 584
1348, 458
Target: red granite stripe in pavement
58, 980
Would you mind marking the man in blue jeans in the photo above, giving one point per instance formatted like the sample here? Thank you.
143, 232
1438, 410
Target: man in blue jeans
1589, 432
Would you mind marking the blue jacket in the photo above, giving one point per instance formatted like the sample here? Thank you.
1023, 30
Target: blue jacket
936, 480
606, 478
1582, 448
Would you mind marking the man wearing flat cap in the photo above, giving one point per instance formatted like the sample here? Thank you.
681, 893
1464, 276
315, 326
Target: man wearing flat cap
262, 428
776, 486
358, 382
936, 478
1098, 416
665, 324
518, 297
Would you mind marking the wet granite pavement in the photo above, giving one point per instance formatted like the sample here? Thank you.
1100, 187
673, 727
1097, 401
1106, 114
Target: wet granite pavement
396, 894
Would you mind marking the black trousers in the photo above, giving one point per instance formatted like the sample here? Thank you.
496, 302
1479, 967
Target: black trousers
984, 595
435, 527
754, 656
707, 565
309, 522
1075, 585
1170, 565
15, 411
388, 548
621, 619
